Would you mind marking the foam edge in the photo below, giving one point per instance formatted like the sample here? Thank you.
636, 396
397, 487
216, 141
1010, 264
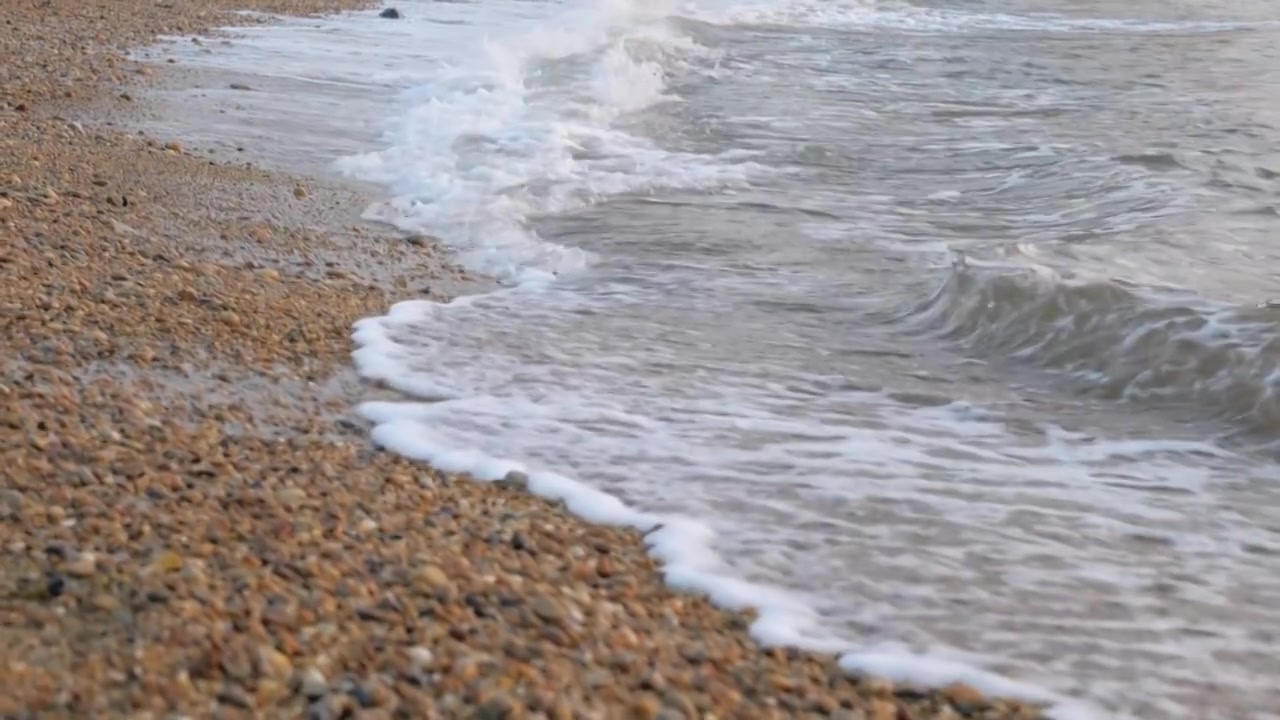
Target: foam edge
684, 547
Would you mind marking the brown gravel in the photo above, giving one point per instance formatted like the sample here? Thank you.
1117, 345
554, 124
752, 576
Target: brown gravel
190, 525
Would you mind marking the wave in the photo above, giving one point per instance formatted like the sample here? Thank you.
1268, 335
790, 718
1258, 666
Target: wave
532, 126
910, 18
536, 124
1122, 341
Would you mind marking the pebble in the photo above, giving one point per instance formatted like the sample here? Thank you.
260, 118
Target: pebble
11, 504
235, 696
273, 663
291, 497
420, 656
166, 562
547, 609
431, 577
311, 683
81, 565
961, 693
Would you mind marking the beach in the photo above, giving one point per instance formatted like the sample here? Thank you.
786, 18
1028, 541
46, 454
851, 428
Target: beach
194, 521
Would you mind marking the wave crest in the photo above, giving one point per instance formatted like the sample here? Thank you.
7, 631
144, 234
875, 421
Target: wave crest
1124, 342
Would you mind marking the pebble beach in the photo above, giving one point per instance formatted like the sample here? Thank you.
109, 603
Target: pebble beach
195, 524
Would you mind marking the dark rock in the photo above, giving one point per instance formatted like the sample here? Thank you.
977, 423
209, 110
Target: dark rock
514, 480
476, 603
360, 694
390, 14
373, 614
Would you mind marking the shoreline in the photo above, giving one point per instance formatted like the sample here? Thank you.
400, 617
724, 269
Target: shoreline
194, 522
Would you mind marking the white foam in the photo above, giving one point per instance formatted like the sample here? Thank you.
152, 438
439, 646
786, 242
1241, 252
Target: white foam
686, 547
526, 129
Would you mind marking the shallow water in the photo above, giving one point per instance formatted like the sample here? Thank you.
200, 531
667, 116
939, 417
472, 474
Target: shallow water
941, 316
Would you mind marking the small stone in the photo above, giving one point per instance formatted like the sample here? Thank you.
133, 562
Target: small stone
646, 706
292, 497
237, 663
375, 693
166, 562
273, 663
11, 503
235, 696
946, 712
962, 694
390, 14
122, 228
173, 146
499, 708
877, 686
239, 86
370, 613
597, 678
300, 192
311, 684
420, 656
547, 609
881, 709
82, 565
430, 577
332, 707
514, 480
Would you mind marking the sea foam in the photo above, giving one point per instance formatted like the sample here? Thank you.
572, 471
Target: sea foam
531, 128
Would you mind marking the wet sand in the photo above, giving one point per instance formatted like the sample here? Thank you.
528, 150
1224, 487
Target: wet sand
193, 520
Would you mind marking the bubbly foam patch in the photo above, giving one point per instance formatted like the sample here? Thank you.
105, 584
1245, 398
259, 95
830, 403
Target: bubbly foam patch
528, 128
687, 547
